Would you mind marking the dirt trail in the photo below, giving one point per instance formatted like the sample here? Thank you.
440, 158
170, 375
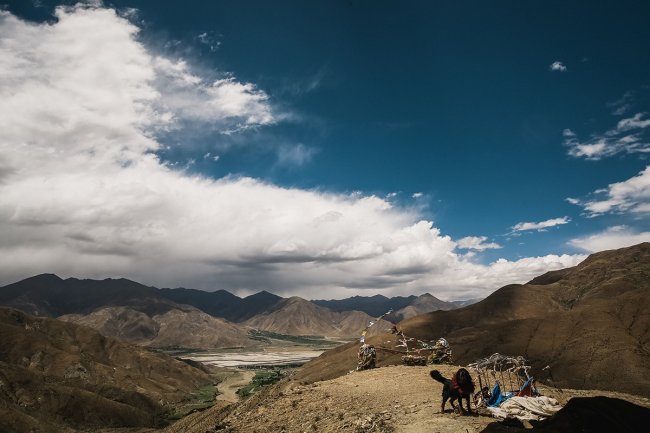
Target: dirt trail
228, 388
394, 399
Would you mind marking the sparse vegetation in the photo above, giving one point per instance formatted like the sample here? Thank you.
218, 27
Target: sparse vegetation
203, 398
177, 351
307, 340
262, 378
568, 304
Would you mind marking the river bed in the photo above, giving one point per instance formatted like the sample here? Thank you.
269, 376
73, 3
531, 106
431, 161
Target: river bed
254, 358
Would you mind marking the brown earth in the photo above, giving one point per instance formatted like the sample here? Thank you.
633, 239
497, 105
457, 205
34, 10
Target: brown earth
56, 376
297, 316
182, 326
589, 323
422, 304
236, 380
390, 399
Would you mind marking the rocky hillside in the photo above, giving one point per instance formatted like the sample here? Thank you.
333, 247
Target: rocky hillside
183, 326
590, 324
55, 376
296, 316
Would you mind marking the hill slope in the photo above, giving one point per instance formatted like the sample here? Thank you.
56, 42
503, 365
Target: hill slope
590, 324
183, 326
422, 304
55, 375
296, 316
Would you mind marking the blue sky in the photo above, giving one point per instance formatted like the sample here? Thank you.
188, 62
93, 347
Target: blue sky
476, 117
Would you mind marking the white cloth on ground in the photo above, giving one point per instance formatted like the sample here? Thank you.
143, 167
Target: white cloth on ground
526, 408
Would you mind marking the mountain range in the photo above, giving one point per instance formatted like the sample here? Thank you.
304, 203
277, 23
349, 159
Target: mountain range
402, 306
191, 318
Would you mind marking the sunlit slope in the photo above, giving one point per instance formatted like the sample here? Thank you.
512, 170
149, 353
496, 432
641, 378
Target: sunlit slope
589, 323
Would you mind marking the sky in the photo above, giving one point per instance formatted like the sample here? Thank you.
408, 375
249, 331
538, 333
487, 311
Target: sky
323, 149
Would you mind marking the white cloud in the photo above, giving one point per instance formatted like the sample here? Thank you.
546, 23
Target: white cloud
634, 122
477, 243
519, 227
227, 104
623, 104
417, 195
568, 133
297, 155
82, 192
210, 156
501, 271
629, 196
557, 66
109, 72
210, 40
613, 237
629, 136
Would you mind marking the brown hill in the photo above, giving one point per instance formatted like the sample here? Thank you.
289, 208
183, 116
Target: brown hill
296, 316
182, 326
56, 375
422, 304
589, 323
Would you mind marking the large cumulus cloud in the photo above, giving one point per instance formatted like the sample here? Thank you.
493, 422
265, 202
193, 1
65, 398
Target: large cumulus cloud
83, 193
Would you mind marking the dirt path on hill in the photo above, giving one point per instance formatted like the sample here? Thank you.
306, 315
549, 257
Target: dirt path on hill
395, 399
228, 388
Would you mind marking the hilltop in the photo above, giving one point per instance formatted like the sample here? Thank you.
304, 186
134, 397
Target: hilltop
395, 399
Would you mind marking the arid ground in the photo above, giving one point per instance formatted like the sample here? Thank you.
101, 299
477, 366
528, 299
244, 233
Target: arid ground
397, 399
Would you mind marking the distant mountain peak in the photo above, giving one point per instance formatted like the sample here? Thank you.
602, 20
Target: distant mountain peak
263, 294
44, 278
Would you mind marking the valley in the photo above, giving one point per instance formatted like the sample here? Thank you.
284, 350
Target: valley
148, 362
